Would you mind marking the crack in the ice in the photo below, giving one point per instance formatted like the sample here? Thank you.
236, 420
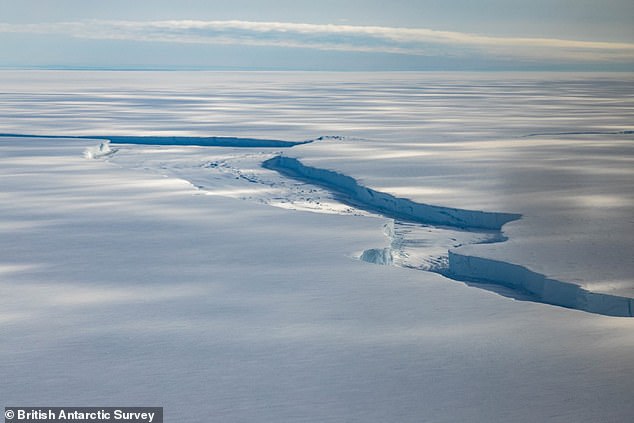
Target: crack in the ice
504, 278
544, 134
507, 279
175, 140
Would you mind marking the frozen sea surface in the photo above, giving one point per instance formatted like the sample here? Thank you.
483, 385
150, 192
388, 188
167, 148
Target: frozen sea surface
153, 275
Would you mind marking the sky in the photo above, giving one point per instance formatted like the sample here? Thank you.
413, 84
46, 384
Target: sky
318, 35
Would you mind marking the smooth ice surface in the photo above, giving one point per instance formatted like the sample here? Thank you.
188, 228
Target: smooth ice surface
144, 277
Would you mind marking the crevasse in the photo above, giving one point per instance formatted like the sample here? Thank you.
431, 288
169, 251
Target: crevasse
461, 267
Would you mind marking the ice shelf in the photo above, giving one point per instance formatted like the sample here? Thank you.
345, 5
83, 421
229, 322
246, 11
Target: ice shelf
460, 266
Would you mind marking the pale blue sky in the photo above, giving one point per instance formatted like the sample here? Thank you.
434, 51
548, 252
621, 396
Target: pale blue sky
319, 34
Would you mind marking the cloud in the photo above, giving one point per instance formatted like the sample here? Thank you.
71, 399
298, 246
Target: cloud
407, 41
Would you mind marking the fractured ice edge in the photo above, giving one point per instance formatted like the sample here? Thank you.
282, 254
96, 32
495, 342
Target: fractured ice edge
508, 279
174, 140
473, 270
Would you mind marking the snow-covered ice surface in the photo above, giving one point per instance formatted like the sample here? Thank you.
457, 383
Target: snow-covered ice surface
607, 289
239, 173
144, 277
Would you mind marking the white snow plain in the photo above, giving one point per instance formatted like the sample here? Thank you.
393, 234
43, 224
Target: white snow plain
144, 277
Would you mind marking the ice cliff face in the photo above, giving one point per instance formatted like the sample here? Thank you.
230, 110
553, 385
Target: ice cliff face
175, 140
386, 203
460, 266
546, 290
